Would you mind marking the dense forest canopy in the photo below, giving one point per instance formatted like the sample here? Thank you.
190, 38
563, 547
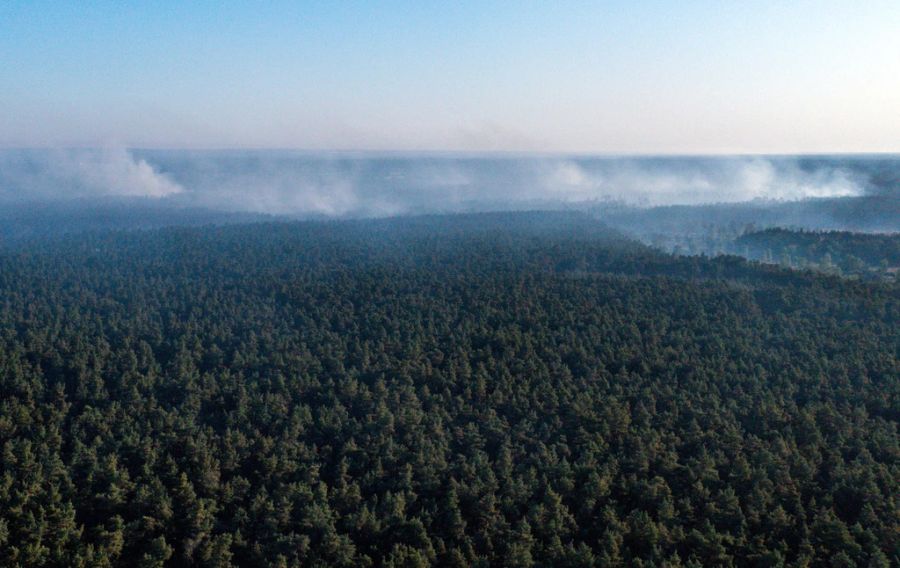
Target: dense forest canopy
486, 390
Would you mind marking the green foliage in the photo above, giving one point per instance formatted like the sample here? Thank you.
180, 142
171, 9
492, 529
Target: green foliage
864, 255
488, 390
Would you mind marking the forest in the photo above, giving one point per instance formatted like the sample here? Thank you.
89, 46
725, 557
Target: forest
839, 252
503, 389
713, 228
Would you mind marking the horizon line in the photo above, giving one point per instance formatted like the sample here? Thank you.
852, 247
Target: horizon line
462, 153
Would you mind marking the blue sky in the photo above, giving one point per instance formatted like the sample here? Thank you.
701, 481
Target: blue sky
593, 77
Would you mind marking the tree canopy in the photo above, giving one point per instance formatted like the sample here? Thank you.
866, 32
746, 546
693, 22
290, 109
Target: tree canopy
486, 390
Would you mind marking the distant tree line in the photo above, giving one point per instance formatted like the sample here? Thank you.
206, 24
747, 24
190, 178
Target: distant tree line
840, 252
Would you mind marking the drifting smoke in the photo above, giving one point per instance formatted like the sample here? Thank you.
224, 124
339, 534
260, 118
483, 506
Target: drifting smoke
696, 181
340, 185
67, 174
295, 183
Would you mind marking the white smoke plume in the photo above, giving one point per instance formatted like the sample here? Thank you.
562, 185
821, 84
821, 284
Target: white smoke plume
80, 173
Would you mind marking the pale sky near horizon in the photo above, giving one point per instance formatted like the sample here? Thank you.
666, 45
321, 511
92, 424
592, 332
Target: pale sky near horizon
605, 77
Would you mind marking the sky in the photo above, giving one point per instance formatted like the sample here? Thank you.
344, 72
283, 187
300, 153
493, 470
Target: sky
668, 77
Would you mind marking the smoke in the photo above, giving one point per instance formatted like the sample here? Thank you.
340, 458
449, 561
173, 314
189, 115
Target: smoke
278, 183
80, 173
694, 181
340, 184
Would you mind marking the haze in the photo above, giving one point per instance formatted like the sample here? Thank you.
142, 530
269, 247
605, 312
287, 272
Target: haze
612, 77
366, 184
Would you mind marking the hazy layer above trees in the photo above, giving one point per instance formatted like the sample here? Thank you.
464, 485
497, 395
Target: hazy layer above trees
336, 184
